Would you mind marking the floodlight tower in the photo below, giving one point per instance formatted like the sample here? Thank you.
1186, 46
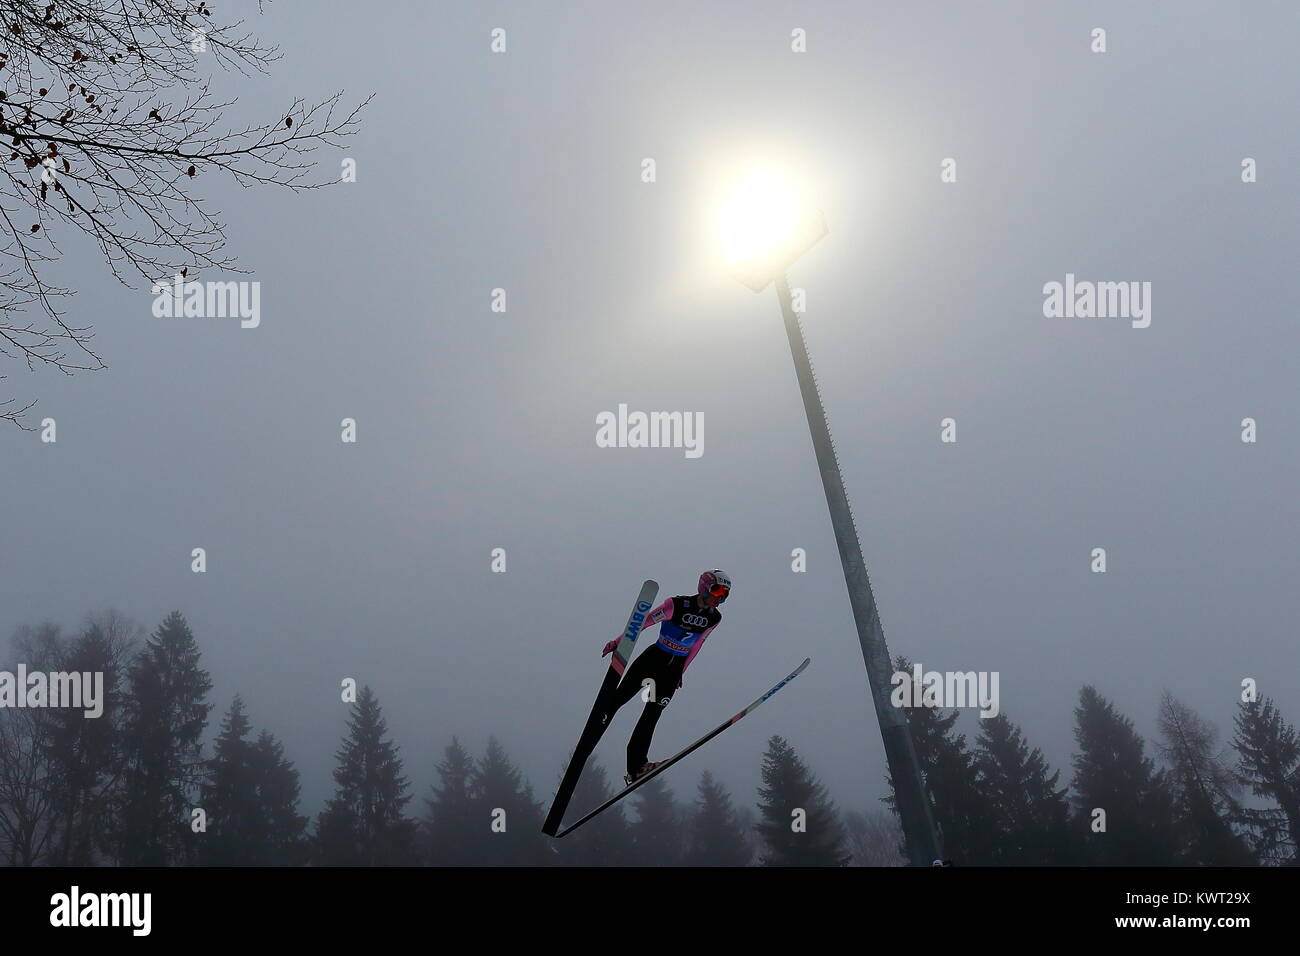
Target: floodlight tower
766, 227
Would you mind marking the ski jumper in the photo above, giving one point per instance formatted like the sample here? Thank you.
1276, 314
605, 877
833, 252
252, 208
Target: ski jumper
681, 635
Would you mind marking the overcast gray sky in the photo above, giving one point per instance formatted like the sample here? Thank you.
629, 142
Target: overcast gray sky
477, 429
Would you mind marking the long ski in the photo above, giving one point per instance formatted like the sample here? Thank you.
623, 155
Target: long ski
598, 721
678, 756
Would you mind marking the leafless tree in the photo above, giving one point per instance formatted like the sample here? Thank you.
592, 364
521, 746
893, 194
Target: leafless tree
84, 757
110, 126
26, 798
875, 838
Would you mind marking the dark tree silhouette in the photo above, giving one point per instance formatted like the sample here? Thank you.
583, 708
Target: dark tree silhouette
85, 753
166, 713
962, 811
657, 835
251, 799
228, 796
716, 836
604, 841
110, 126
283, 836
1269, 763
1111, 773
799, 824
1203, 787
27, 794
505, 800
1030, 815
363, 825
451, 819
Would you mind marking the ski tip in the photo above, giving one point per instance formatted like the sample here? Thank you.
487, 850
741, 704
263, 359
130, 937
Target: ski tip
800, 669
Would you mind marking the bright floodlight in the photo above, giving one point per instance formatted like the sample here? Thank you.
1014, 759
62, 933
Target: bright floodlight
765, 224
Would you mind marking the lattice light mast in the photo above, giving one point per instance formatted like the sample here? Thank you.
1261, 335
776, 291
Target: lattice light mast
765, 228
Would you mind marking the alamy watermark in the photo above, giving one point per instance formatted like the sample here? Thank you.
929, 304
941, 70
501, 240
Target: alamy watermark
83, 690
77, 909
208, 300
949, 689
651, 430
1084, 299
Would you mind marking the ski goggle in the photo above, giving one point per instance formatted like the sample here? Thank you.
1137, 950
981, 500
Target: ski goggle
720, 591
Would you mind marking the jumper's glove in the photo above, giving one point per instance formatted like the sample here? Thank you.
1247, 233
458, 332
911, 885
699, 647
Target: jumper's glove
609, 648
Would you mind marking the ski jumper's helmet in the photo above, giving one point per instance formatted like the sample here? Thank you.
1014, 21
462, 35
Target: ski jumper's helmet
716, 583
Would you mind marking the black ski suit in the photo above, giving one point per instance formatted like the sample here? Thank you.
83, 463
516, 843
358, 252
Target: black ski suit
683, 628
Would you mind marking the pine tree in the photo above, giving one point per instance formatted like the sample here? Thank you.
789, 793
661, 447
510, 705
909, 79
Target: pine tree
283, 832
1203, 787
963, 813
363, 825
1112, 774
1269, 763
799, 824
657, 835
251, 799
1031, 816
604, 841
716, 836
503, 799
337, 840
166, 713
453, 826
229, 796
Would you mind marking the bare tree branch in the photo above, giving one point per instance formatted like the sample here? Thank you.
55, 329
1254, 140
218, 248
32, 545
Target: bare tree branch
109, 125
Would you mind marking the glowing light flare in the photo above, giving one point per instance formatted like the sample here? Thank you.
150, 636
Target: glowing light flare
764, 222
759, 215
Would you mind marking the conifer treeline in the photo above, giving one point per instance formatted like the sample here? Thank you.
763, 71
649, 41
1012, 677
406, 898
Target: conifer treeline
136, 786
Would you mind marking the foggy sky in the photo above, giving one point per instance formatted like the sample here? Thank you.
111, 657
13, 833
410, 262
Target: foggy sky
477, 429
